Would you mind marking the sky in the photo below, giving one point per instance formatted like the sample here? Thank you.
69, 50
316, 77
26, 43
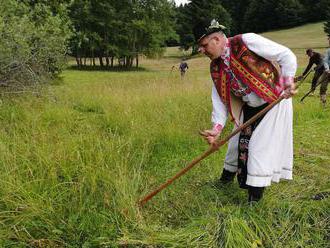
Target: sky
178, 2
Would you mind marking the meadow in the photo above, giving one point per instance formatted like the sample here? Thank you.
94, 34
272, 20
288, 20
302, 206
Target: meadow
76, 156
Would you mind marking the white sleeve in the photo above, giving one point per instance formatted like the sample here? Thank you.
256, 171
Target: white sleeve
219, 112
272, 51
326, 60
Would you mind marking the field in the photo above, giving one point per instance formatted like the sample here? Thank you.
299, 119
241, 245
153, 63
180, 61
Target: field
78, 154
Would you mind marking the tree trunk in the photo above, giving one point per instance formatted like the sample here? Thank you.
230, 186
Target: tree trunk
101, 61
107, 61
93, 58
137, 60
112, 61
128, 61
78, 62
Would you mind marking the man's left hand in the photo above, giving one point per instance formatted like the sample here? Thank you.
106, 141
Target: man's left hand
290, 91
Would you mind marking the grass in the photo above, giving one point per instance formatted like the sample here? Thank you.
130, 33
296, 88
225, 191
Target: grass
77, 157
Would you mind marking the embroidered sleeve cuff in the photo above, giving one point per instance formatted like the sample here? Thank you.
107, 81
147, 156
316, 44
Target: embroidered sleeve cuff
217, 127
286, 80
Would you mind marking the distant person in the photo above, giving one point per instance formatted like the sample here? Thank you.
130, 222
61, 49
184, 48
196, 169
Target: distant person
325, 78
249, 72
317, 59
183, 68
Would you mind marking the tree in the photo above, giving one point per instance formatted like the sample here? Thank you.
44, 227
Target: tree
265, 15
31, 50
260, 16
327, 22
315, 10
197, 11
289, 13
237, 10
122, 29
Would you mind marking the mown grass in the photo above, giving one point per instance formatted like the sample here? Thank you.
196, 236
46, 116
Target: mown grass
77, 157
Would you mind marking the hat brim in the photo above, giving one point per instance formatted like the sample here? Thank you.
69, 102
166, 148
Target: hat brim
211, 31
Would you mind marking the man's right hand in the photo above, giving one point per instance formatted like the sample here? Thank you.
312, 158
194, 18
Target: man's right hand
210, 135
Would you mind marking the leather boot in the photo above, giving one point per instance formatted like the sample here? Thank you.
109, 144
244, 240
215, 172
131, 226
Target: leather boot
227, 176
255, 194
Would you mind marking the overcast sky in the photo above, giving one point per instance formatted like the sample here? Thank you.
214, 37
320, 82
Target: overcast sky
178, 2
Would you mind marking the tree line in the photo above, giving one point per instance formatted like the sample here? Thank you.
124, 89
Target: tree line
37, 34
242, 16
125, 29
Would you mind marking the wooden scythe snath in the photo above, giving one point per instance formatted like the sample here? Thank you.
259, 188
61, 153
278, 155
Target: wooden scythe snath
212, 149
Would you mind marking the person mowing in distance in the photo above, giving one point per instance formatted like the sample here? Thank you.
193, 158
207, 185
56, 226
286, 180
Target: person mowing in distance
183, 68
249, 72
325, 77
317, 59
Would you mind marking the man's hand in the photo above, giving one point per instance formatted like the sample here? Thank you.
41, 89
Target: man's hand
210, 135
289, 91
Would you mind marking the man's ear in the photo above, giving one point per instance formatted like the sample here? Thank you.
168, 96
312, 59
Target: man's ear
218, 39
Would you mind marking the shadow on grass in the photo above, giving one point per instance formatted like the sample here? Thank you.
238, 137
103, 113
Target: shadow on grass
58, 80
106, 69
227, 193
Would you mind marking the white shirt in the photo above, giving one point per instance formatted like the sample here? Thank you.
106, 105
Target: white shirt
326, 59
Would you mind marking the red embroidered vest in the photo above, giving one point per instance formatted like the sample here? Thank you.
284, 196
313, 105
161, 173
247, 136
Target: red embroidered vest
259, 74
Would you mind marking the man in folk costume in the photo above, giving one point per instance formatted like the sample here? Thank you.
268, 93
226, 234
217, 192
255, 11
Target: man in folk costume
249, 72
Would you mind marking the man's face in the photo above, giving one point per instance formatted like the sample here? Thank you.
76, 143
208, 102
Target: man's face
310, 54
212, 46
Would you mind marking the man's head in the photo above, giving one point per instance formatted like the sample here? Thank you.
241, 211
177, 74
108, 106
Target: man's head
309, 52
210, 38
212, 45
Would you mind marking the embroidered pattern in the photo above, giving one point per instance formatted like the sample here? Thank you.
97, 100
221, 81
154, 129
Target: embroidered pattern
241, 71
255, 71
236, 86
262, 89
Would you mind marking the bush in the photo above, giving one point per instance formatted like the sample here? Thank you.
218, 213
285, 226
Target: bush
32, 49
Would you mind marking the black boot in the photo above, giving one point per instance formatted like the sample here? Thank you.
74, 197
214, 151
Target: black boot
255, 194
227, 176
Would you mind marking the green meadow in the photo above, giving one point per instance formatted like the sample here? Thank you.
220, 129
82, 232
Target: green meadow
78, 154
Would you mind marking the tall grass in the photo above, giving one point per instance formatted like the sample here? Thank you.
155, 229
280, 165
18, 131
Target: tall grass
77, 157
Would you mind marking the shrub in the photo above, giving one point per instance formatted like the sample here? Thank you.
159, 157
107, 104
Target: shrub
33, 43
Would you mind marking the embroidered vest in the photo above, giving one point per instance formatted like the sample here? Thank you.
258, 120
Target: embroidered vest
254, 71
